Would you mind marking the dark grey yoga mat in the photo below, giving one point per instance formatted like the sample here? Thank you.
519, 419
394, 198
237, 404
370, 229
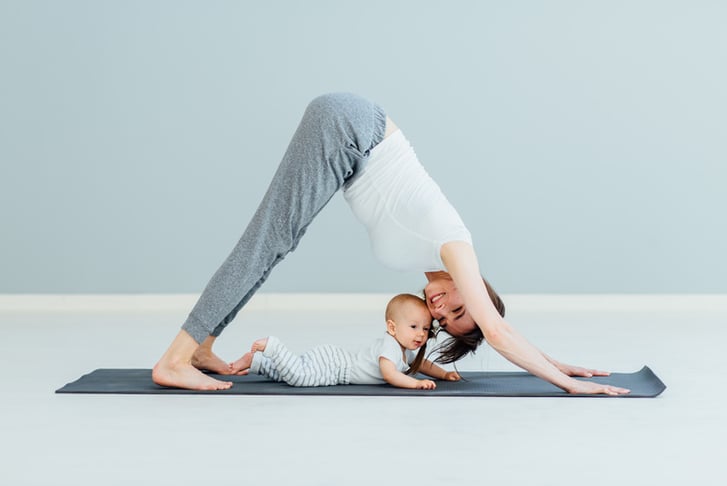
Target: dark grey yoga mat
643, 383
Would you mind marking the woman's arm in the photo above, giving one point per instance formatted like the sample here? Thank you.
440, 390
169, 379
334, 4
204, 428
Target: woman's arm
394, 377
430, 369
461, 263
571, 370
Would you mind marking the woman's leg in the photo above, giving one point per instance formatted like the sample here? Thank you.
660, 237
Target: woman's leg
335, 135
332, 141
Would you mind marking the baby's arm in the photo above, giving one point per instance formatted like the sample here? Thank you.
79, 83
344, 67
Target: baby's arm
430, 369
397, 378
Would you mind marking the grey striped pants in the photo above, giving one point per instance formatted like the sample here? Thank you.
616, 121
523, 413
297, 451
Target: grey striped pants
332, 142
321, 366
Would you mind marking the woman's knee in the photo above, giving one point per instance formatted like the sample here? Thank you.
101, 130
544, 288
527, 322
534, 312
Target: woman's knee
332, 105
329, 101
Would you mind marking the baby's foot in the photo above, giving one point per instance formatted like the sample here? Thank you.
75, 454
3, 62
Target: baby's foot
259, 345
242, 365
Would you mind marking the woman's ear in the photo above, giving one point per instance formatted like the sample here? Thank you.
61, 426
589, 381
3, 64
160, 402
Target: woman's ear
391, 327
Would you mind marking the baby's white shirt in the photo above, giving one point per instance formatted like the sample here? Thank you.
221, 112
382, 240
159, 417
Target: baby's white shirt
365, 367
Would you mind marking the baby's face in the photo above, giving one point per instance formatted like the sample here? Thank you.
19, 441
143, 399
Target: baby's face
412, 326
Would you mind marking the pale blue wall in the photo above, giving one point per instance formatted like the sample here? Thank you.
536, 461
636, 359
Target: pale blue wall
584, 143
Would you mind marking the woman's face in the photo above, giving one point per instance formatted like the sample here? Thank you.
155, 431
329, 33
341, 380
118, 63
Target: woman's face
446, 306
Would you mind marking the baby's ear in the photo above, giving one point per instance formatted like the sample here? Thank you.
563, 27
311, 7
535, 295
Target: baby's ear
391, 327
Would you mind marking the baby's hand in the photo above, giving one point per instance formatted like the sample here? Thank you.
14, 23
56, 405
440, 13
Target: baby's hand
452, 376
426, 385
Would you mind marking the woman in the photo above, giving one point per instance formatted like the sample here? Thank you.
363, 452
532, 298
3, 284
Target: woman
345, 141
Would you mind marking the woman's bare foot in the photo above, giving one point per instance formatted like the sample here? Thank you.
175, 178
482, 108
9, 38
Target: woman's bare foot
259, 345
185, 376
206, 360
175, 368
242, 365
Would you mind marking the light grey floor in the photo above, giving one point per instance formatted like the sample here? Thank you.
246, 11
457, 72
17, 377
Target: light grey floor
52, 439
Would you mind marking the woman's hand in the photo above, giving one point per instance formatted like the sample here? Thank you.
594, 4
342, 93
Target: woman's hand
452, 376
591, 388
571, 370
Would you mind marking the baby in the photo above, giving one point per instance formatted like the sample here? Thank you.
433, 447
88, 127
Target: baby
389, 359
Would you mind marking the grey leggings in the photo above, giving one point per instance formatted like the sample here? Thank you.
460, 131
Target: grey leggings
330, 145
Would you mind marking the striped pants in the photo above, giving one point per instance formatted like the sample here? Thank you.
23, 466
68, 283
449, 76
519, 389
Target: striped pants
321, 366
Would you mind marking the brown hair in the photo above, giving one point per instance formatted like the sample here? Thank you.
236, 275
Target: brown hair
416, 364
456, 347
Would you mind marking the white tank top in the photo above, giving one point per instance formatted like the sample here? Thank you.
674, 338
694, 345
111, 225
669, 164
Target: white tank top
407, 216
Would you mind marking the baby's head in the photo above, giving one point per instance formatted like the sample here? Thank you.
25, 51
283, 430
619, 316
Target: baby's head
408, 320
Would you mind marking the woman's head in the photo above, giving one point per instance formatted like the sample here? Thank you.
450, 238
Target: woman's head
446, 305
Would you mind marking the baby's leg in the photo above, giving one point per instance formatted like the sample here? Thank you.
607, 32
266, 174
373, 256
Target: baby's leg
242, 365
259, 345
262, 365
321, 366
